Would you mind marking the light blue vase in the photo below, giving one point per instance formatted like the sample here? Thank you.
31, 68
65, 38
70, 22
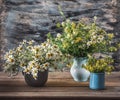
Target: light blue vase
97, 81
78, 73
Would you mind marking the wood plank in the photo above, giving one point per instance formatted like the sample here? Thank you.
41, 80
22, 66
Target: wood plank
51, 75
55, 89
66, 75
53, 82
59, 85
111, 80
60, 94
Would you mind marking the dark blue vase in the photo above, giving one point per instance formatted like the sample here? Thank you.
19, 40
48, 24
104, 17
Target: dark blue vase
97, 81
39, 82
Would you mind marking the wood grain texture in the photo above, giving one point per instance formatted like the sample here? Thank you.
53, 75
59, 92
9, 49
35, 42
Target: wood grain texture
60, 86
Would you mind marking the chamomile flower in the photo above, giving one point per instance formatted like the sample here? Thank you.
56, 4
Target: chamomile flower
37, 56
26, 70
49, 55
100, 39
94, 37
62, 39
34, 70
6, 56
32, 63
63, 24
46, 65
89, 43
20, 48
30, 47
10, 59
36, 49
59, 35
31, 42
22, 64
24, 41
35, 76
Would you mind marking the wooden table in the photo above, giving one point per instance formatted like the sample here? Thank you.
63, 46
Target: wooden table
60, 86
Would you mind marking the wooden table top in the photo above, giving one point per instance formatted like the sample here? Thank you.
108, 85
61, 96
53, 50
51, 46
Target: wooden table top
60, 85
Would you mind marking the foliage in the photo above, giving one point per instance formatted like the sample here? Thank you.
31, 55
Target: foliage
31, 58
99, 65
80, 39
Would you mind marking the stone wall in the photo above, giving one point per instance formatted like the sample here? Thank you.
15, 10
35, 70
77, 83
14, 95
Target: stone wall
2, 14
116, 55
33, 19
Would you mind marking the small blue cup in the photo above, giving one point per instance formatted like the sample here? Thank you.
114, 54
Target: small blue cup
97, 81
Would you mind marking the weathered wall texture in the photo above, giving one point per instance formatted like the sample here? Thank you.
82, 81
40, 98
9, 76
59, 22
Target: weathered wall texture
1, 30
33, 19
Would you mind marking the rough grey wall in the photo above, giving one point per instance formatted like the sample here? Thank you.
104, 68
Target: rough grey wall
1, 31
116, 55
33, 19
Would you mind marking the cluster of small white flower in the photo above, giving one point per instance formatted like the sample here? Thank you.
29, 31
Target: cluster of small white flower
95, 39
32, 58
9, 58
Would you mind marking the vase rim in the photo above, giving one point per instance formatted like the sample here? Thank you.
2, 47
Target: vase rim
97, 73
80, 57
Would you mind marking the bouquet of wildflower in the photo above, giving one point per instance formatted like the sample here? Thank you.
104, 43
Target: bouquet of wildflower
80, 39
31, 58
99, 65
